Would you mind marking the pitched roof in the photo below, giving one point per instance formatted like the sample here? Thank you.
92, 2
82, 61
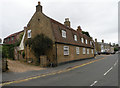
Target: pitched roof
14, 34
57, 27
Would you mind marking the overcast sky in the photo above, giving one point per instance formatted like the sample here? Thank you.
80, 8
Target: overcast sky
98, 17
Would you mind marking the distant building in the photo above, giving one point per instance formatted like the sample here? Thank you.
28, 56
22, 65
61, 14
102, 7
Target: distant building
13, 38
102, 47
112, 49
97, 47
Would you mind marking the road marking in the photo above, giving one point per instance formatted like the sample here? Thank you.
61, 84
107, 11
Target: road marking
48, 74
116, 63
108, 70
94, 83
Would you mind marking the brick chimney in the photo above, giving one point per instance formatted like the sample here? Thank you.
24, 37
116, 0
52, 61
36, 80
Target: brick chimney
102, 41
67, 22
79, 29
39, 7
25, 28
95, 40
110, 43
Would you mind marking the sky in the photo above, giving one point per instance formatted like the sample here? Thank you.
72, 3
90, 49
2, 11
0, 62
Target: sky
98, 17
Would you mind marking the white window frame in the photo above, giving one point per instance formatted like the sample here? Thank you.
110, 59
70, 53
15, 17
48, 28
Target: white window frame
77, 50
87, 51
12, 38
92, 51
82, 40
63, 33
86, 41
75, 37
66, 50
84, 51
29, 33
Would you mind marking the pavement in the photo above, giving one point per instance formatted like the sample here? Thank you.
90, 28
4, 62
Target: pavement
99, 71
17, 66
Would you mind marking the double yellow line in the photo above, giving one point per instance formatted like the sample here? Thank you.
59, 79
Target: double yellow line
48, 74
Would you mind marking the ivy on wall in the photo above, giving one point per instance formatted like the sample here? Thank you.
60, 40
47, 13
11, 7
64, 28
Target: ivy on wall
39, 45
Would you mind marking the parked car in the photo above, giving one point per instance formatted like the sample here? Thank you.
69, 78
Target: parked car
112, 52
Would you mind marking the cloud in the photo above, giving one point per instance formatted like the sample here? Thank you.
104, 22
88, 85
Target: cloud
98, 17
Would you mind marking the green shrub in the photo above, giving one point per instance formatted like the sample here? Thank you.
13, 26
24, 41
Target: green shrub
23, 54
8, 51
39, 45
86, 33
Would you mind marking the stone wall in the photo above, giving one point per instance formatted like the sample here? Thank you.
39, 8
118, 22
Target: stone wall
72, 53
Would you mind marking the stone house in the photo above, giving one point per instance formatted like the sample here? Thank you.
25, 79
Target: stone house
69, 44
97, 47
102, 47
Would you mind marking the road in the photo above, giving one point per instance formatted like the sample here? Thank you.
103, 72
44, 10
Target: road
99, 71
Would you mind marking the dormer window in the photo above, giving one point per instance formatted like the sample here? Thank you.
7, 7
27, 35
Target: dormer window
8, 39
82, 40
63, 33
86, 41
29, 33
75, 37
12, 38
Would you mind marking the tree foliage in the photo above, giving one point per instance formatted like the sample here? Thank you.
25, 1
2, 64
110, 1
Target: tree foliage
40, 44
86, 33
28, 42
23, 54
116, 49
8, 51
0, 40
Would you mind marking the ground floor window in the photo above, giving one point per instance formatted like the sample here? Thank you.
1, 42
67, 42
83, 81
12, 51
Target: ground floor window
77, 50
66, 50
92, 51
87, 51
84, 51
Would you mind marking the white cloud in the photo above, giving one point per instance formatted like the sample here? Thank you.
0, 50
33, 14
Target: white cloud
98, 17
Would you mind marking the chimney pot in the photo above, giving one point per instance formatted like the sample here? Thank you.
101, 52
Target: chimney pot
102, 41
38, 2
39, 7
25, 28
66, 19
67, 22
79, 29
95, 40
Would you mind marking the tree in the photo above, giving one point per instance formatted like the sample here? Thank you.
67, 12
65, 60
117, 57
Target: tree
8, 51
23, 54
40, 45
0, 40
86, 33
116, 49
28, 42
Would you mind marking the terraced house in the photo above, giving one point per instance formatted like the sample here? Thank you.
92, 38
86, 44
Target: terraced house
13, 38
69, 44
102, 47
